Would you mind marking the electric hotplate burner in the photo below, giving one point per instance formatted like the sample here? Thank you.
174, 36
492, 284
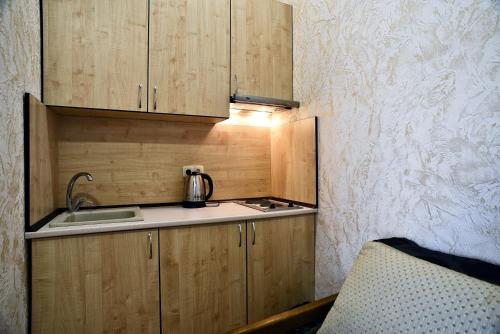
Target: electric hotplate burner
267, 204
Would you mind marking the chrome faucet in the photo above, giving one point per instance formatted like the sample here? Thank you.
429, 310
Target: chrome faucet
70, 203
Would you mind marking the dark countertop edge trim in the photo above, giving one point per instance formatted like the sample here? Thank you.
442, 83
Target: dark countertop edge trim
45, 220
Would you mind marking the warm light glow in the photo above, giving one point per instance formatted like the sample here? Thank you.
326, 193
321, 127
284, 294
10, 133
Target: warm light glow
252, 107
248, 118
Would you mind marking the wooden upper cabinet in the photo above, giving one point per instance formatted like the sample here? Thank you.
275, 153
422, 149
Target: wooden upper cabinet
203, 278
189, 57
261, 48
103, 283
280, 265
95, 53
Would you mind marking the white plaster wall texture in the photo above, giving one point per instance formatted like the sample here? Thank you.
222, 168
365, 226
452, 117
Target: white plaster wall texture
19, 72
408, 99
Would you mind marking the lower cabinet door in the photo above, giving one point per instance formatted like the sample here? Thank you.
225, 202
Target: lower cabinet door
102, 283
280, 265
203, 278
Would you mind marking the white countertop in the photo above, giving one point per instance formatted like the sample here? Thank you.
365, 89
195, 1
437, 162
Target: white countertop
170, 216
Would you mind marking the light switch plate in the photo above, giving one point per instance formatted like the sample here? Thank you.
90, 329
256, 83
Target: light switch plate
196, 168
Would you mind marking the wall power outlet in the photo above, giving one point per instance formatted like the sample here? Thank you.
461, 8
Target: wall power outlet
196, 168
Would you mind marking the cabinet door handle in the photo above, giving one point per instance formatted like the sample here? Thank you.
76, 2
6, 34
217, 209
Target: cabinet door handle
239, 227
155, 97
253, 229
150, 244
140, 96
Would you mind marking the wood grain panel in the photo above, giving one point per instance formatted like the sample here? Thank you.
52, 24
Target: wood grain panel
43, 160
189, 57
261, 48
103, 283
289, 321
280, 265
138, 161
203, 278
103, 113
95, 53
293, 161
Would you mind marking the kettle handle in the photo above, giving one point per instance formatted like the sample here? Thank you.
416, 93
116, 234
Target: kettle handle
210, 185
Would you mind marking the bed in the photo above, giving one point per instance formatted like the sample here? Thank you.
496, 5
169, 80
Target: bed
396, 286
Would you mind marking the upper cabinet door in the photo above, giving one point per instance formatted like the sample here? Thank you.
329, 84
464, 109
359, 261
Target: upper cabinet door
189, 57
261, 49
95, 53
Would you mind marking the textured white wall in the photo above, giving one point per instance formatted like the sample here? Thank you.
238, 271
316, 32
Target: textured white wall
408, 99
19, 72
409, 103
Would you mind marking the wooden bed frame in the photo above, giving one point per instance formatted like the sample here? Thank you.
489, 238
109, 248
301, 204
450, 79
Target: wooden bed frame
289, 320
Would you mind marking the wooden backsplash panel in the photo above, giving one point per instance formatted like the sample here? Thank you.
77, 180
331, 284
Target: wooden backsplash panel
42, 160
293, 162
140, 161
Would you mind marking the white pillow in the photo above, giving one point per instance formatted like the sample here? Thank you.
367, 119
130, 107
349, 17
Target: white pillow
388, 291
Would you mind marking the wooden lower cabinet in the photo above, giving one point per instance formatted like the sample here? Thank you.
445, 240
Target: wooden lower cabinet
102, 283
280, 265
112, 282
203, 278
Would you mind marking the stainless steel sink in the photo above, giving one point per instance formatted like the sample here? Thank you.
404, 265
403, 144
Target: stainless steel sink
98, 216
